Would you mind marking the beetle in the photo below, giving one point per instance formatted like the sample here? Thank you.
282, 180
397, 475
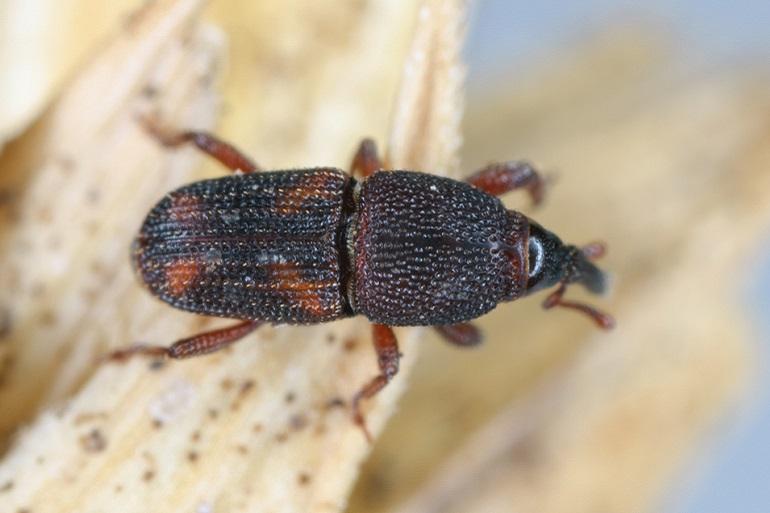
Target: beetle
305, 246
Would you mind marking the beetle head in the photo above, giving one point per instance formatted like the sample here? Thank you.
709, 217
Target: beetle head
550, 261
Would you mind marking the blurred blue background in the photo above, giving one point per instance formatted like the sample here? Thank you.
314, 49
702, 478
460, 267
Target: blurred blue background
709, 32
732, 470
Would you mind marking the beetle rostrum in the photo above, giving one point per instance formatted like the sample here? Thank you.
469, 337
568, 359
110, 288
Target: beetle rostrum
402, 248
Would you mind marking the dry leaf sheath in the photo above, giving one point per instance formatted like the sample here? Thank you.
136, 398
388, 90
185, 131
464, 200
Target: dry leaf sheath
41, 46
265, 426
550, 416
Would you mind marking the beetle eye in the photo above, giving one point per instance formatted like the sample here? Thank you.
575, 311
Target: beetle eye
536, 257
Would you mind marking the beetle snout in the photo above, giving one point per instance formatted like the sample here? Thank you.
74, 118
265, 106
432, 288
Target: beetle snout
590, 276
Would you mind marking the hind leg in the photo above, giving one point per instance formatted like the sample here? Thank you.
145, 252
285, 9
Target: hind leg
227, 154
197, 345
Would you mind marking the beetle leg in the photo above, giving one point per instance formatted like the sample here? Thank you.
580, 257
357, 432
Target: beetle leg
366, 161
197, 345
386, 347
556, 298
463, 335
225, 153
502, 177
594, 250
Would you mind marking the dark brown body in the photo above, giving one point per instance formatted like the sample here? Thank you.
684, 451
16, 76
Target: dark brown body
308, 246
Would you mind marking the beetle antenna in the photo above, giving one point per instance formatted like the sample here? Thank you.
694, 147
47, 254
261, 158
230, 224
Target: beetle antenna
581, 270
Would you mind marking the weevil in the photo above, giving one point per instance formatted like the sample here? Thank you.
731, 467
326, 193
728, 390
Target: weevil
305, 246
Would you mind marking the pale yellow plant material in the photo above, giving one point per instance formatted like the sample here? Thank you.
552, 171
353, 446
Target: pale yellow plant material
75, 184
264, 426
551, 415
41, 44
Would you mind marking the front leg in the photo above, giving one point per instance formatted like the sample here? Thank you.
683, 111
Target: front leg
556, 298
386, 347
500, 178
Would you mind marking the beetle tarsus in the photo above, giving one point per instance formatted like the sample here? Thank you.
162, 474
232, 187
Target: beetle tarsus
386, 347
123, 355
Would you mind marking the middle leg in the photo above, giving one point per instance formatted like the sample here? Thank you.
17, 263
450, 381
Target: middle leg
464, 334
227, 154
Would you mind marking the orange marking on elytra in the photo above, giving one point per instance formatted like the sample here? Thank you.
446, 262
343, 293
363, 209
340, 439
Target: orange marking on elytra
314, 303
308, 295
184, 208
311, 186
180, 274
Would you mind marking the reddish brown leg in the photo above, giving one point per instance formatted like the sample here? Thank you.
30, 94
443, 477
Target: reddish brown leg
225, 153
594, 250
386, 347
556, 298
498, 178
197, 345
463, 335
366, 160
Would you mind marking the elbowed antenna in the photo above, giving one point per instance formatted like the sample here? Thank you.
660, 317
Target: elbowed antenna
578, 268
